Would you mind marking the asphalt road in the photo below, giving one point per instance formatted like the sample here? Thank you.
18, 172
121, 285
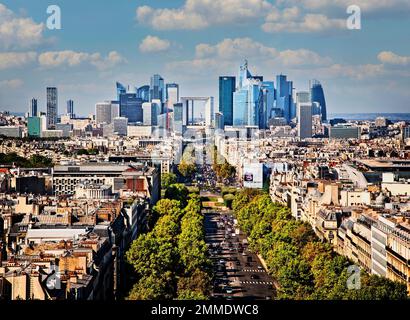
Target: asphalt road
239, 273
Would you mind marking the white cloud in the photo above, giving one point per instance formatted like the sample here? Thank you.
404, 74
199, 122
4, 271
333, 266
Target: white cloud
367, 5
389, 57
18, 32
70, 58
199, 14
10, 60
291, 20
154, 44
11, 84
241, 48
226, 55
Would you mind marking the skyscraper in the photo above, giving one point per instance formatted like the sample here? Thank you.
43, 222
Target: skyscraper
120, 126
151, 110
131, 107
157, 88
226, 89
247, 99
120, 90
284, 99
317, 95
103, 112
70, 108
52, 107
143, 93
305, 120
33, 108
172, 93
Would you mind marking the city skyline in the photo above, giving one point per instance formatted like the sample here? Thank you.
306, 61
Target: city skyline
87, 56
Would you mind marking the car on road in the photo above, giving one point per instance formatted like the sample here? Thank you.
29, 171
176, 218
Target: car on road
238, 263
260, 267
222, 261
228, 290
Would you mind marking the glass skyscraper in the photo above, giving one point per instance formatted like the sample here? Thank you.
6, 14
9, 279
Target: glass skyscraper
52, 107
284, 99
70, 107
131, 107
226, 90
120, 90
317, 95
143, 93
33, 108
157, 88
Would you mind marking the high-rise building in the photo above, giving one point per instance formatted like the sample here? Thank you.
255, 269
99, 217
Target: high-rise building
70, 108
178, 118
131, 107
120, 90
33, 108
317, 95
103, 112
226, 90
115, 109
151, 110
157, 88
52, 107
172, 94
247, 101
305, 120
266, 103
284, 99
143, 93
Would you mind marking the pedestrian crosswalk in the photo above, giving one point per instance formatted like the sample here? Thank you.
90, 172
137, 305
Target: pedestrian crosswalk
253, 270
256, 282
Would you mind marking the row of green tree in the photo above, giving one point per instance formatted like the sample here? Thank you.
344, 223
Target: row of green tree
303, 266
221, 167
171, 261
35, 161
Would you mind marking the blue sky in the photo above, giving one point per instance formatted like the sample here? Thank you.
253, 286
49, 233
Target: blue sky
192, 42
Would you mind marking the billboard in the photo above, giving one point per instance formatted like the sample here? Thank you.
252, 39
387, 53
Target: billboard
253, 175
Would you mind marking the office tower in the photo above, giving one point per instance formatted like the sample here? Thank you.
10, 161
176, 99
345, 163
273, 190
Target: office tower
317, 95
115, 109
151, 111
52, 107
120, 90
157, 88
303, 97
143, 93
219, 121
305, 120
209, 112
266, 103
131, 107
246, 103
178, 118
103, 112
284, 99
172, 94
34, 126
226, 90
120, 125
33, 108
70, 108
244, 74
